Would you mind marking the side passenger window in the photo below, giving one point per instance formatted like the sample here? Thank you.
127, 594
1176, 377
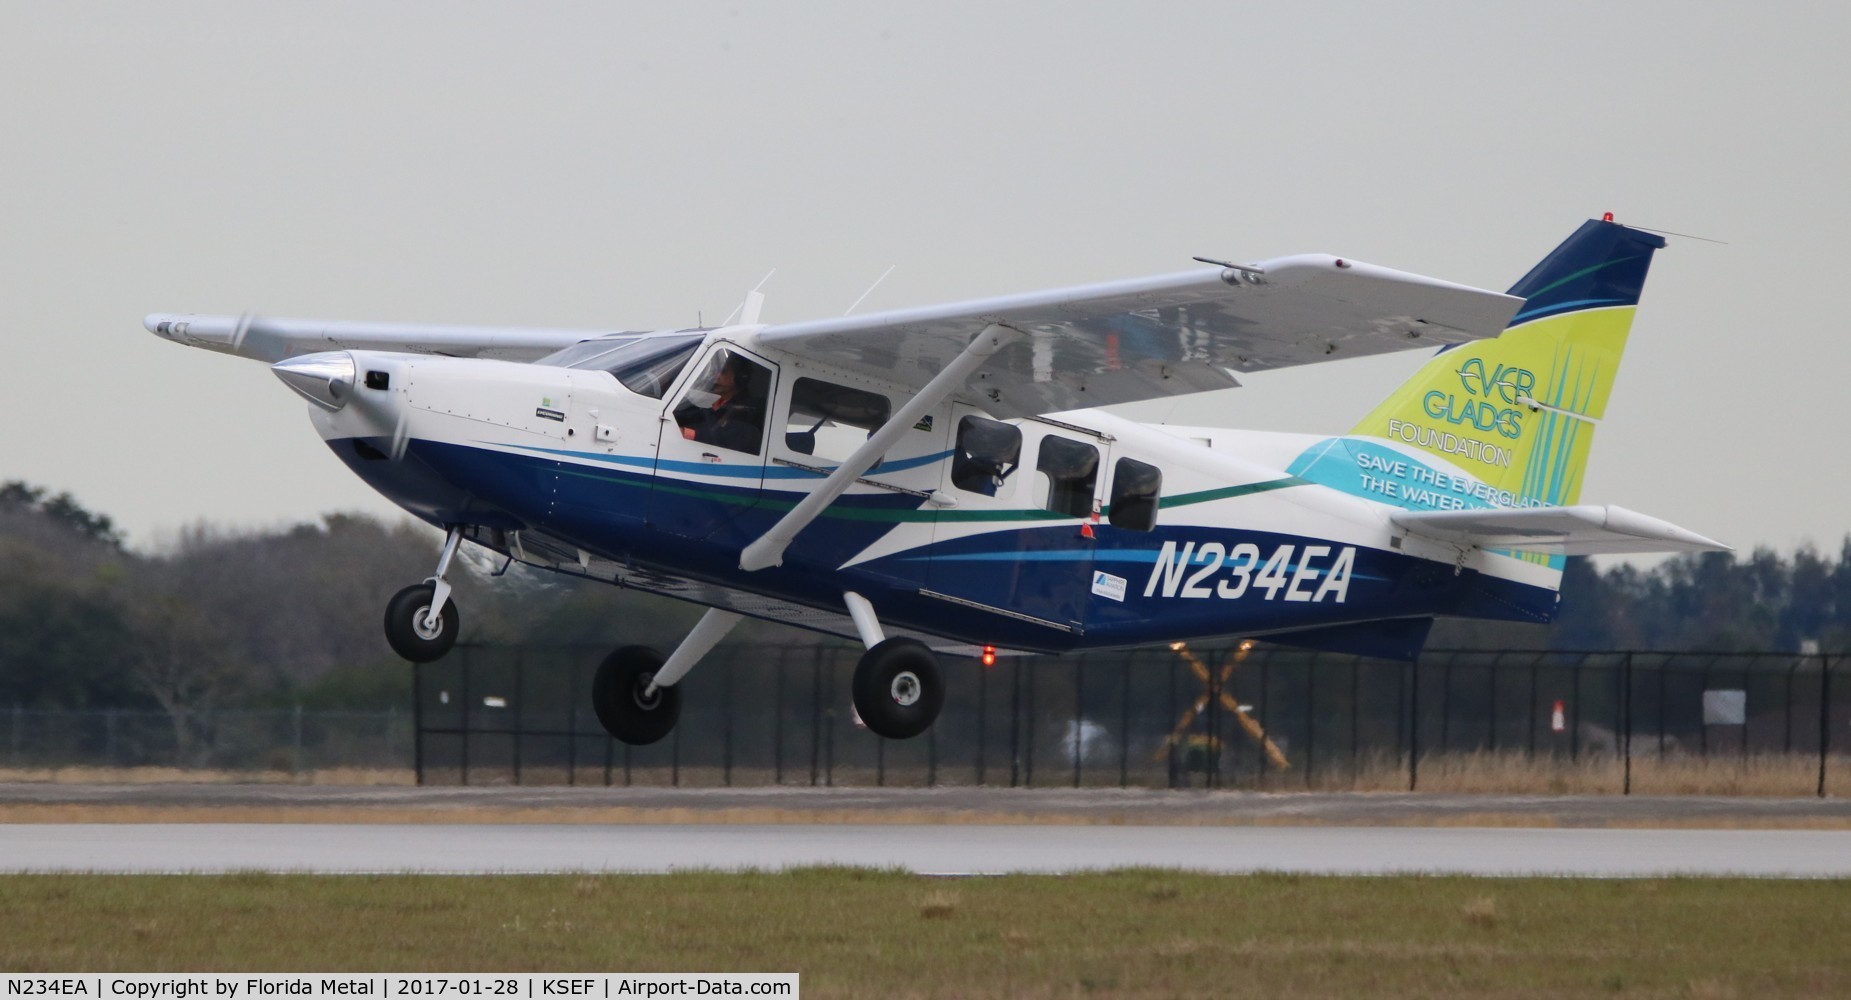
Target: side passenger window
987, 452
1072, 469
830, 421
1135, 489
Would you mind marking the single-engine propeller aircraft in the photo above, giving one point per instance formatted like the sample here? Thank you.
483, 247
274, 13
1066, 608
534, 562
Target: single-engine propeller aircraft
943, 476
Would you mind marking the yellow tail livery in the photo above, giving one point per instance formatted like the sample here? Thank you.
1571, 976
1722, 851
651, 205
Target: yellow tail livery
1518, 411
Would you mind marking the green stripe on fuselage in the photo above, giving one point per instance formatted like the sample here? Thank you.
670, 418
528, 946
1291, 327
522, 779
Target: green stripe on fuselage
915, 515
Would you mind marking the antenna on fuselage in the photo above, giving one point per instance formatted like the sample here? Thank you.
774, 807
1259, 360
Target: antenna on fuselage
871, 288
750, 303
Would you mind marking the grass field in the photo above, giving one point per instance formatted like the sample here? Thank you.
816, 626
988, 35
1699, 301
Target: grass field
857, 933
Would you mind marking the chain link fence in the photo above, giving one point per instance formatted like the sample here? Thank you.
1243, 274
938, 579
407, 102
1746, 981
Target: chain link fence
1214, 716
1231, 715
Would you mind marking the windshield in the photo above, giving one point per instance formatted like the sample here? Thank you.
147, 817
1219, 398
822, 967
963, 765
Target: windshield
645, 365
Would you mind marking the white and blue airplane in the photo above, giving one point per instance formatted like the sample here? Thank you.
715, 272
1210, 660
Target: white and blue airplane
944, 478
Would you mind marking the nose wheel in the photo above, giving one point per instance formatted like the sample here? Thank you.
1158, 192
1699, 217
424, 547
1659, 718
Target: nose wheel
897, 689
409, 627
629, 704
421, 621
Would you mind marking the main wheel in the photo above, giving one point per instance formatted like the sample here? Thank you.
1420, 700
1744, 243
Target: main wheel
405, 629
617, 695
897, 689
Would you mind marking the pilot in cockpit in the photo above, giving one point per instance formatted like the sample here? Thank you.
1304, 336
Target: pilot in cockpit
728, 409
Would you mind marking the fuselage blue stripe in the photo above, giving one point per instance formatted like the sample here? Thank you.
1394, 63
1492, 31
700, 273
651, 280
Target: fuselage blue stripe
724, 470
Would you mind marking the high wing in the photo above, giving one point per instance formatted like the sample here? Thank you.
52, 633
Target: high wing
1118, 342
271, 340
1587, 529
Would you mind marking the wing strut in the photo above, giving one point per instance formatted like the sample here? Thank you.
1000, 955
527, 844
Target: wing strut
768, 549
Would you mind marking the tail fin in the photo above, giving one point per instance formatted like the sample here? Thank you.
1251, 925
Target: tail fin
1518, 411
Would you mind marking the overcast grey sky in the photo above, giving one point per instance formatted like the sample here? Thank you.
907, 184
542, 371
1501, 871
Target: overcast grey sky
631, 166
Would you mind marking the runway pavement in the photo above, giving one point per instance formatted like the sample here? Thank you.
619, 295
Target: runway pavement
939, 850
220, 828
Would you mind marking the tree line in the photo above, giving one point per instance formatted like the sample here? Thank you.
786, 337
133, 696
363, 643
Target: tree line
291, 615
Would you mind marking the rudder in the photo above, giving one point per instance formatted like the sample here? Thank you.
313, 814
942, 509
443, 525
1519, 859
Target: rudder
1517, 411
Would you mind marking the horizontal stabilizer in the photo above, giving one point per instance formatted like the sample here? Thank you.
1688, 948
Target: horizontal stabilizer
1587, 529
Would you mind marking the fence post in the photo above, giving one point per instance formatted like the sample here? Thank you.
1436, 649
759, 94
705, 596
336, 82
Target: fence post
1703, 723
1825, 716
1574, 721
1787, 736
1015, 721
816, 712
572, 721
932, 757
1265, 702
1311, 720
417, 722
1490, 695
1535, 714
1211, 777
1626, 722
295, 749
1745, 718
1170, 737
726, 723
520, 687
983, 717
1124, 723
1028, 736
1414, 727
467, 738
1079, 716
1446, 705
1356, 711
777, 720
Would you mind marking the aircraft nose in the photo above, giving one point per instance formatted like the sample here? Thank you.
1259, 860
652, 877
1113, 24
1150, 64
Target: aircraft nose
325, 379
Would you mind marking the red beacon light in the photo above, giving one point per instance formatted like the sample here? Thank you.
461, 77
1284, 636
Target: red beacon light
1606, 216
989, 656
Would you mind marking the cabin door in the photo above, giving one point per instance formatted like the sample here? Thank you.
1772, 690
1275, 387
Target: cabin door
710, 462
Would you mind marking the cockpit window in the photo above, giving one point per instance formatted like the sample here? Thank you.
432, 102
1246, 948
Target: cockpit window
645, 365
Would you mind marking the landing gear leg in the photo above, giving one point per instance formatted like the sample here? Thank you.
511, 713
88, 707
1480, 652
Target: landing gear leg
421, 621
634, 692
897, 689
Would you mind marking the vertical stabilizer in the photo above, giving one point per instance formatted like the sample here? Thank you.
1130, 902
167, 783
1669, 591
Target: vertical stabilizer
1518, 411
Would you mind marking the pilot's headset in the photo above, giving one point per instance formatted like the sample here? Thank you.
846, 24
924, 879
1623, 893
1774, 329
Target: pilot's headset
744, 375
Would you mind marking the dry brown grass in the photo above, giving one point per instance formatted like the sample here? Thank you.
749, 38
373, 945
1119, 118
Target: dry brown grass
1516, 773
1764, 776
369, 777
1470, 773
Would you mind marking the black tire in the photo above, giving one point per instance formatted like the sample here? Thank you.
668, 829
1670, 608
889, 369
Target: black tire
898, 690
617, 697
405, 624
